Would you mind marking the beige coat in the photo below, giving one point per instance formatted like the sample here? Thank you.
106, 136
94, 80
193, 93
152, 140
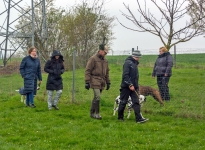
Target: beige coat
97, 72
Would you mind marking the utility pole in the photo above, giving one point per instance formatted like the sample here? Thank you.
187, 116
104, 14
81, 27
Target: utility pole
10, 13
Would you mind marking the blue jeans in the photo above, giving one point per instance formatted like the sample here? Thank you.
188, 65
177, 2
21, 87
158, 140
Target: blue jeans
29, 98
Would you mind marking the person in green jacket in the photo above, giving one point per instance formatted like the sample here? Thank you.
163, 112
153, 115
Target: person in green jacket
97, 77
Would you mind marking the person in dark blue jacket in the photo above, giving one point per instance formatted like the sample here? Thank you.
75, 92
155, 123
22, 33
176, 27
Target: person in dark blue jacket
129, 87
30, 69
54, 67
163, 70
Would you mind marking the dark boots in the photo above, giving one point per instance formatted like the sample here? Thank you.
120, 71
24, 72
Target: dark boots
121, 109
95, 110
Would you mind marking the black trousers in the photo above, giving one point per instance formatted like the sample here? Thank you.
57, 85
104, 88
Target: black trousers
124, 95
162, 83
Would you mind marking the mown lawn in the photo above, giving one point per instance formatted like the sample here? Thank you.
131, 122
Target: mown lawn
177, 125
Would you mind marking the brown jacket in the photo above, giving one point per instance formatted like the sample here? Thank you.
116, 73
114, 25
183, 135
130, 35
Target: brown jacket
97, 72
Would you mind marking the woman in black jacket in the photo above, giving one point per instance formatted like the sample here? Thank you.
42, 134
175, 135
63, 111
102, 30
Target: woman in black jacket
163, 70
55, 68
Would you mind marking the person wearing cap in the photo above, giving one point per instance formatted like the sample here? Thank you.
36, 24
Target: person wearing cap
54, 67
129, 87
30, 70
97, 77
163, 71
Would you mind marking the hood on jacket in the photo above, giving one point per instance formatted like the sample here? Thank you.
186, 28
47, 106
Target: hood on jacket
56, 53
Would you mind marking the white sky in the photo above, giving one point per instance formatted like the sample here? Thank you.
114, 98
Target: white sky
126, 39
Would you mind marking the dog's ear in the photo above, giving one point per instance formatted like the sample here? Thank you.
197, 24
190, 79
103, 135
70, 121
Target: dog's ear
145, 99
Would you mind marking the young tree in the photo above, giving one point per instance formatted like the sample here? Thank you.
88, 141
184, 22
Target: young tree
82, 28
86, 25
167, 27
53, 39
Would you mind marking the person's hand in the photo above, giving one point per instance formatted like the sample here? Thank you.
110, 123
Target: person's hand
87, 86
108, 86
132, 88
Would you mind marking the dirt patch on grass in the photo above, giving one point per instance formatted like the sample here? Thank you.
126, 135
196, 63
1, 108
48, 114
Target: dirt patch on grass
10, 68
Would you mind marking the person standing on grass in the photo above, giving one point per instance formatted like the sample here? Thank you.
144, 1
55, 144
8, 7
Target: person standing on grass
163, 70
54, 67
129, 87
30, 70
97, 77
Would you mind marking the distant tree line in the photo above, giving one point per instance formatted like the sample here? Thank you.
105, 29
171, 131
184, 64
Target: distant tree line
81, 27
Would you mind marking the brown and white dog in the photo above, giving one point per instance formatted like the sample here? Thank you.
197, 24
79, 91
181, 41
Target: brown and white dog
147, 90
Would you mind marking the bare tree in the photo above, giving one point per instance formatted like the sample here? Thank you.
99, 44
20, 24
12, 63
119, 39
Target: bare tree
195, 11
167, 27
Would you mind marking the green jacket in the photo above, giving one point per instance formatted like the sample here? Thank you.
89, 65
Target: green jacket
97, 72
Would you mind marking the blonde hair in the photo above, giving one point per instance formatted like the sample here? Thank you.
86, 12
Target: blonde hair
31, 49
163, 49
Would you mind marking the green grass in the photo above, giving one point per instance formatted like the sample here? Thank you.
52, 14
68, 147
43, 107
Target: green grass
180, 60
177, 125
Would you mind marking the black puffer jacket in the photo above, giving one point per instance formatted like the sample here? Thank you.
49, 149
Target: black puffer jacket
55, 68
163, 65
130, 74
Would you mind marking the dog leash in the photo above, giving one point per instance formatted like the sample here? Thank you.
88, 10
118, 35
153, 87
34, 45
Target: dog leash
137, 94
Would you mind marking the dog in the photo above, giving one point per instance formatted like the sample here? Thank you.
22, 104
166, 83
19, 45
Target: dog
23, 95
147, 90
142, 99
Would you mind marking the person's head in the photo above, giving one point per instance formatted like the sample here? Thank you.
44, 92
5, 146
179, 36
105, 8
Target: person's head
162, 50
136, 55
56, 54
32, 51
103, 50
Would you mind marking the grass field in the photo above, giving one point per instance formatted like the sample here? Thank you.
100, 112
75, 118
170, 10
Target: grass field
177, 125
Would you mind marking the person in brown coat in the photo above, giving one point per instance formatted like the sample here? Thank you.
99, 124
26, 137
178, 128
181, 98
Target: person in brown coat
97, 77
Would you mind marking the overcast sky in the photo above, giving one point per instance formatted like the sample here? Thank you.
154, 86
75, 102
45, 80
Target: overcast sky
126, 39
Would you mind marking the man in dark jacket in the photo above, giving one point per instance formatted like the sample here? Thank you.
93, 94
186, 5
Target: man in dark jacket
55, 68
129, 87
96, 77
163, 70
